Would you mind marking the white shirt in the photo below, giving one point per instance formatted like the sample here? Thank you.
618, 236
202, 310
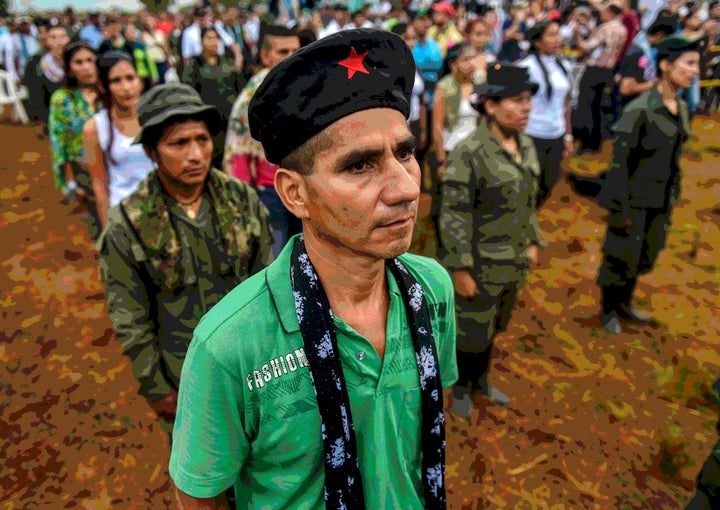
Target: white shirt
31, 45
6, 52
131, 163
547, 117
331, 28
417, 91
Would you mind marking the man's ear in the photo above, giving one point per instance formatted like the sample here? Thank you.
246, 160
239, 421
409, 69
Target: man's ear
292, 189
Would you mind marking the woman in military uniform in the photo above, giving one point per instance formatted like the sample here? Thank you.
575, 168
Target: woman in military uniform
488, 228
643, 182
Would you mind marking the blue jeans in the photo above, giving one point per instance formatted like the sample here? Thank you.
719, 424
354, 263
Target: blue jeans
283, 222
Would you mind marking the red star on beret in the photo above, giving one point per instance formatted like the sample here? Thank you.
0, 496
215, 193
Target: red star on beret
354, 63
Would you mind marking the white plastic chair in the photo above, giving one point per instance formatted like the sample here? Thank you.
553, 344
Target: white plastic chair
10, 93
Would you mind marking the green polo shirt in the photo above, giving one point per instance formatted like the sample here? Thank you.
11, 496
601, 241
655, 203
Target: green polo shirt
247, 412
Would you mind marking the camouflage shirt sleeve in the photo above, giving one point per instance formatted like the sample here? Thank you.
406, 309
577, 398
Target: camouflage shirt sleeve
456, 211
129, 305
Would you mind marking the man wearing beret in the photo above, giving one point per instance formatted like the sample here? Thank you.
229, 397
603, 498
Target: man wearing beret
178, 244
488, 226
643, 183
318, 382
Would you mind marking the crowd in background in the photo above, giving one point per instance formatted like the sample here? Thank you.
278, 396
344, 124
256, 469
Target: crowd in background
578, 63
590, 59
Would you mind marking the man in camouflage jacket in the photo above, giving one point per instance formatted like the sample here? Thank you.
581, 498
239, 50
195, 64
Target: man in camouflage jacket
186, 237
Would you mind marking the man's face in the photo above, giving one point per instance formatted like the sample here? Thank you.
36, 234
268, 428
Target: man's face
440, 19
715, 12
183, 154
359, 18
276, 49
511, 113
43, 37
362, 195
112, 29
420, 27
409, 36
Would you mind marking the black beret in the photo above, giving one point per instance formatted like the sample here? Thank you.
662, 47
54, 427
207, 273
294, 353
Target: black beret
671, 47
505, 80
327, 80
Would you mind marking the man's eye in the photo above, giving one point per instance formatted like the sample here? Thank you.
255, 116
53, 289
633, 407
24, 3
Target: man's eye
359, 167
406, 154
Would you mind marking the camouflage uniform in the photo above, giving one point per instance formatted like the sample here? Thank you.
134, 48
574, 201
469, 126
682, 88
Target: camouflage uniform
164, 271
488, 223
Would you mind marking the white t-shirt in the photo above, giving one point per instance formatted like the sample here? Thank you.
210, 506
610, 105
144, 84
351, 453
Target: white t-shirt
131, 163
417, 91
547, 118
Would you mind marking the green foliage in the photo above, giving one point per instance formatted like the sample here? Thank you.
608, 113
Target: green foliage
155, 6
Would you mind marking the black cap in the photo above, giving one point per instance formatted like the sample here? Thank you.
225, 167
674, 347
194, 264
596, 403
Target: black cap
163, 102
505, 80
537, 30
327, 80
670, 48
662, 25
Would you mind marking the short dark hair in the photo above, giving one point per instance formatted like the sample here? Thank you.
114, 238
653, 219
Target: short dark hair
302, 159
615, 10
275, 31
399, 28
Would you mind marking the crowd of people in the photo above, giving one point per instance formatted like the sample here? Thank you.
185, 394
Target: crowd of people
206, 145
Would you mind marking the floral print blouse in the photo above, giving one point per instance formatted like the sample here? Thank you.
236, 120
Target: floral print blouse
68, 113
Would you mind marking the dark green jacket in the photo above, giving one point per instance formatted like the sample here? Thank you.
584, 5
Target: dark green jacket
488, 208
645, 169
163, 271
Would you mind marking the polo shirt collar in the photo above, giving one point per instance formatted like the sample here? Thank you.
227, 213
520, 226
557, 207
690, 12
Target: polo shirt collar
279, 284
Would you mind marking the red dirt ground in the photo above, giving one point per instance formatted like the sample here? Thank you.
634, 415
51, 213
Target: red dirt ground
596, 421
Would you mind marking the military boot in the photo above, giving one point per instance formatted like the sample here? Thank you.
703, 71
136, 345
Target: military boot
462, 403
611, 296
491, 392
624, 309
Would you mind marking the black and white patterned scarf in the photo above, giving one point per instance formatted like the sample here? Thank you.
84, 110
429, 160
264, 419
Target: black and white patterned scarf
343, 481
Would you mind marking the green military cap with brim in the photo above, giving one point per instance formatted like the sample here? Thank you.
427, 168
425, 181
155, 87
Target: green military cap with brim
327, 80
163, 103
671, 47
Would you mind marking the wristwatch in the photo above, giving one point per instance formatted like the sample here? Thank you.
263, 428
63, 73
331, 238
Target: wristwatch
568, 138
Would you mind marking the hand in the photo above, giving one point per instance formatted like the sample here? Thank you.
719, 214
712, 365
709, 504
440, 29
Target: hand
568, 148
465, 285
166, 407
533, 254
239, 62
